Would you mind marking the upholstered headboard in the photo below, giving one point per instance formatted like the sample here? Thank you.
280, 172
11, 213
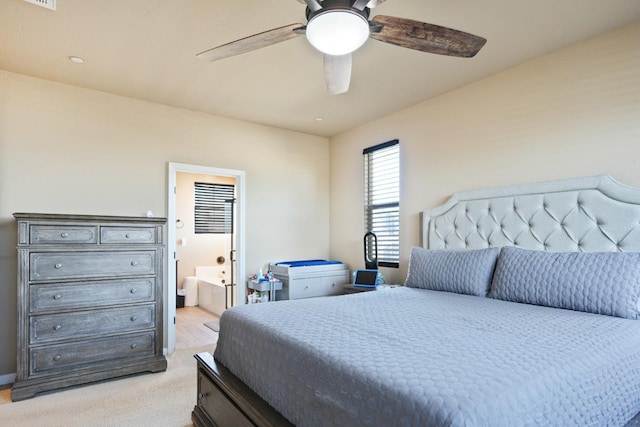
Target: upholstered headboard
588, 214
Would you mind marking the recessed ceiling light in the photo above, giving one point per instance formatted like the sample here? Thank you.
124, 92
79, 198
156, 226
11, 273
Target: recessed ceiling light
319, 119
76, 59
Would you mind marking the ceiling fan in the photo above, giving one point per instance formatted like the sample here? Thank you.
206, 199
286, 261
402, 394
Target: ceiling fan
339, 27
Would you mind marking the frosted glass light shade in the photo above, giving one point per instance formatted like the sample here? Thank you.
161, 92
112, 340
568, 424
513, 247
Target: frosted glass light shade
337, 32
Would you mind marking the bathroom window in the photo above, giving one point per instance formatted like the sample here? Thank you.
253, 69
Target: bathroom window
382, 199
213, 208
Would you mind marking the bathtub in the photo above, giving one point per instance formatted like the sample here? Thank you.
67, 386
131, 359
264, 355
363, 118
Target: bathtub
211, 287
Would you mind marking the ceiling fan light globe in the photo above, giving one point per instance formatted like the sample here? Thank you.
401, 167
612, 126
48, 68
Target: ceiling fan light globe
337, 32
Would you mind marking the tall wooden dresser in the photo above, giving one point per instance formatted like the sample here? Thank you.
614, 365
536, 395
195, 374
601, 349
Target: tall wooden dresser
89, 299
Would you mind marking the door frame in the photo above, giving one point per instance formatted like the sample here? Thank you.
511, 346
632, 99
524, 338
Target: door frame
170, 293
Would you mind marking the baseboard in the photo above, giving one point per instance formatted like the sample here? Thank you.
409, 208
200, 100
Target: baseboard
7, 380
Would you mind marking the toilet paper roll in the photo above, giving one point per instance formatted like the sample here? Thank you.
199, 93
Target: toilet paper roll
190, 286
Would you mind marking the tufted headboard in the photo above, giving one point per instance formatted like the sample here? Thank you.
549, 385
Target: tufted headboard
589, 214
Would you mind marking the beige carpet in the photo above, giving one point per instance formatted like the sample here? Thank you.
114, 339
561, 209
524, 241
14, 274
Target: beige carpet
161, 399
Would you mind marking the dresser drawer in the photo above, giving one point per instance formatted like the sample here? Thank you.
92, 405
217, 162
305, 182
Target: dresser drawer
217, 406
64, 296
54, 358
60, 234
114, 235
316, 287
90, 323
67, 265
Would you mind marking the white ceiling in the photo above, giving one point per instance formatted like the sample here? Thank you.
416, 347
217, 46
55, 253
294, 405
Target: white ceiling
146, 49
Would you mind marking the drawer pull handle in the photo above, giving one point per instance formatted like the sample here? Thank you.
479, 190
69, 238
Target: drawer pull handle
134, 263
128, 235
58, 266
64, 235
57, 296
202, 395
134, 345
134, 318
57, 327
133, 291
57, 357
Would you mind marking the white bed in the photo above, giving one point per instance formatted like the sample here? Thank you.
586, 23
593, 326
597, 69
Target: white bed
478, 336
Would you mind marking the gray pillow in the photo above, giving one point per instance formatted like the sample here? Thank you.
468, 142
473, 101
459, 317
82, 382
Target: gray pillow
461, 271
594, 282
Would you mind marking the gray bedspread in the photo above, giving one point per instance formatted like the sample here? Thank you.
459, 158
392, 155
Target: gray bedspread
413, 357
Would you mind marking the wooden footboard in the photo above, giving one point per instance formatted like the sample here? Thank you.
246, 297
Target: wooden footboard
224, 400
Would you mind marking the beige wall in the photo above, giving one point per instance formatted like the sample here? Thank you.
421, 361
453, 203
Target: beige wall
64, 149
571, 113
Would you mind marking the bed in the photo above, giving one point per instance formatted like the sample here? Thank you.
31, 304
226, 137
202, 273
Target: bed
519, 308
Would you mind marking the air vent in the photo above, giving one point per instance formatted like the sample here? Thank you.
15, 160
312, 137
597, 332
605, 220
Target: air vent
49, 4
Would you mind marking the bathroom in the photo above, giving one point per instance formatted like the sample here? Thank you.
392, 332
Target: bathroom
205, 241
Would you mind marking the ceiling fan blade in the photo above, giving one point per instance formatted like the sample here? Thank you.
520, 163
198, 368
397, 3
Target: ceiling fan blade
426, 37
250, 43
337, 73
374, 3
314, 5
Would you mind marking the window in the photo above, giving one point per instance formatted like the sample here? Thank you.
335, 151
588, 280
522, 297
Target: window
382, 200
213, 208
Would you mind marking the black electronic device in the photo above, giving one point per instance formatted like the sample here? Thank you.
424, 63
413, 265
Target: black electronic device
365, 278
370, 251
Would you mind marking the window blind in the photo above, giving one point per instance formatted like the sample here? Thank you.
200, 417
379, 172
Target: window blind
382, 199
213, 208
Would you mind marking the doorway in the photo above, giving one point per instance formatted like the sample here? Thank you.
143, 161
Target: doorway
187, 250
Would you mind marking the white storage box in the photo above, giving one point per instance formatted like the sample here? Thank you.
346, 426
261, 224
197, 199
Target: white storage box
310, 278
